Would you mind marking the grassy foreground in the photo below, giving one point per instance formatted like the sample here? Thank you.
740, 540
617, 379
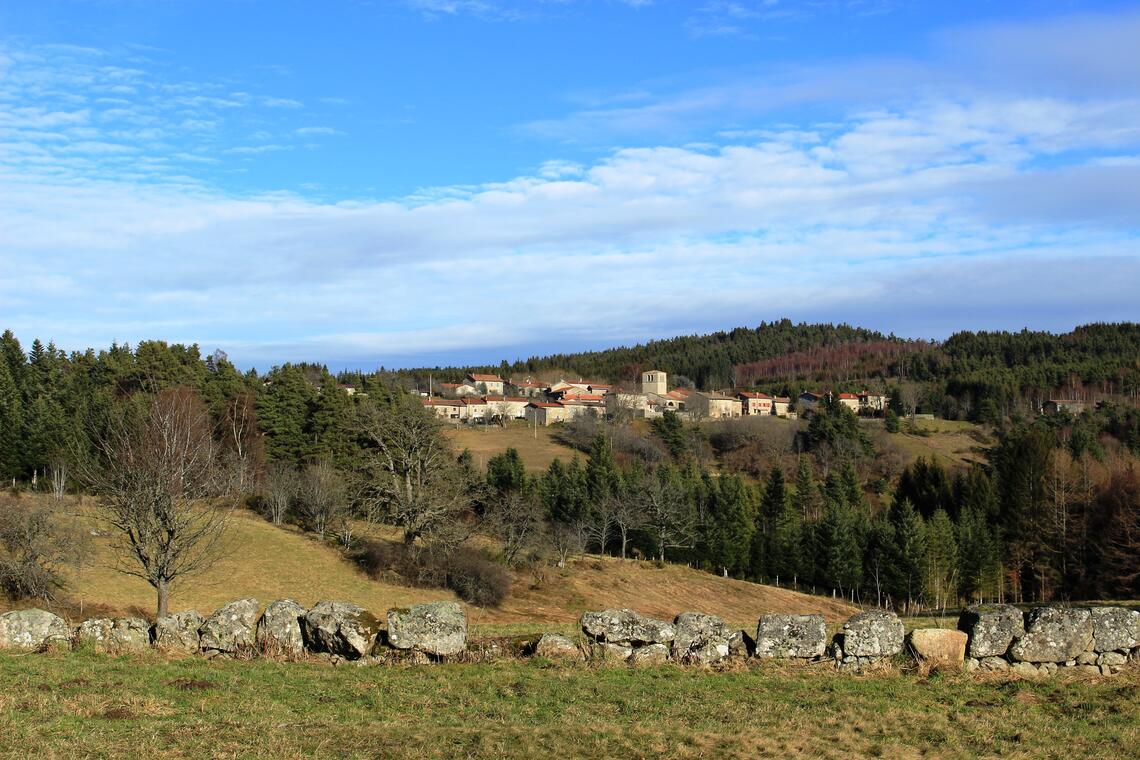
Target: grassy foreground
83, 705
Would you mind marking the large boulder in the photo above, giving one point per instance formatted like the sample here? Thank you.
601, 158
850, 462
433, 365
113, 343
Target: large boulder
939, 645
279, 629
32, 630
231, 628
873, 634
626, 627
1054, 634
114, 635
436, 628
556, 646
701, 639
991, 628
791, 636
649, 655
340, 628
1115, 628
178, 632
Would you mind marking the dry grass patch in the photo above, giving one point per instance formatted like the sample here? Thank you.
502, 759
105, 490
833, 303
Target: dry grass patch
537, 450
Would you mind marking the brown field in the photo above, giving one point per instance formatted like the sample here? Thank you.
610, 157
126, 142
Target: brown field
259, 560
950, 442
537, 449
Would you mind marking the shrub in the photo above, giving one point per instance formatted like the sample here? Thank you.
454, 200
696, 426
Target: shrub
468, 572
37, 543
474, 578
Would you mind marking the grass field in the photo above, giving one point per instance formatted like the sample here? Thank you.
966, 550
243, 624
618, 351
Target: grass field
950, 442
259, 560
82, 705
271, 562
537, 448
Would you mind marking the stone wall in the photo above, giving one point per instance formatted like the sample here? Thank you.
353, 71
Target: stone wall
1100, 640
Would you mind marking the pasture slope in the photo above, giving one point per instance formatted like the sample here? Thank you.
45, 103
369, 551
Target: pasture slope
276, 562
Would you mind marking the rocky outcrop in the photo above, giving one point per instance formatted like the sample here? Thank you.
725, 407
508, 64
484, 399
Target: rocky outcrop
649, 655
873, 634
1054, 634
606, 652
555, 646
231, 628
626, 627
939, 645
1115, 629
33, 630
991, 629
700, 639
341, 629
436, 628
178, 632
114, 635
279, 629
791, 636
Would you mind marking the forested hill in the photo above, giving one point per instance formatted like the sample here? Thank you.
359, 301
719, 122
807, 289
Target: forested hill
709, 361
782, 356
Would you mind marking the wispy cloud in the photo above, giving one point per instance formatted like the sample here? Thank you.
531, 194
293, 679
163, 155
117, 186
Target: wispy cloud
921, 201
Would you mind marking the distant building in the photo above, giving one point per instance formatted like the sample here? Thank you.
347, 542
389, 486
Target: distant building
509, 407
849, 400
808, 400
444, 408
713, 405
874, 402
486, 383
1070, 405
456, 390
781, 405
654, 382
530, 388
544, 413
753, 404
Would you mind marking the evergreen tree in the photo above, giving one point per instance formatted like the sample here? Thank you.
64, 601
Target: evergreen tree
806, 498
941, 559
979, 563
11, 425
907, 552
506, 472
733, 517
843, 557
773, 504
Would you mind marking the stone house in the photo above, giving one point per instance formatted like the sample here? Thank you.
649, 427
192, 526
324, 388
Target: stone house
444, 408
492, 384
713, 406
755, 403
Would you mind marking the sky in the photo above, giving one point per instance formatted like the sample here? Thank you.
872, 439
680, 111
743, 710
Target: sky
421, 182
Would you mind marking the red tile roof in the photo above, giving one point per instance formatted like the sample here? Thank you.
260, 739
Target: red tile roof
750, 394
485, 378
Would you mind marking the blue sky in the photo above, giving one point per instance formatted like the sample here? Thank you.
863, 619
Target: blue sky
453, 181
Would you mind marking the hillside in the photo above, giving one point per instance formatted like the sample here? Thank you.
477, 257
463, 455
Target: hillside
269, 562
536, 447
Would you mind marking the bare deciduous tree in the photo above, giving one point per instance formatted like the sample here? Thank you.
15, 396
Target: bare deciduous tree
156, 469
413, 471
322, 502
567, 540
282, 488
628, 515
242, 442
515, 517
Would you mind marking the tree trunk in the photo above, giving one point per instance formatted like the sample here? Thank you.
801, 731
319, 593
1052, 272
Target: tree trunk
163, 599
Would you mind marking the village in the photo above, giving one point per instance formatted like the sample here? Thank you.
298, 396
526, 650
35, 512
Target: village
485, 398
